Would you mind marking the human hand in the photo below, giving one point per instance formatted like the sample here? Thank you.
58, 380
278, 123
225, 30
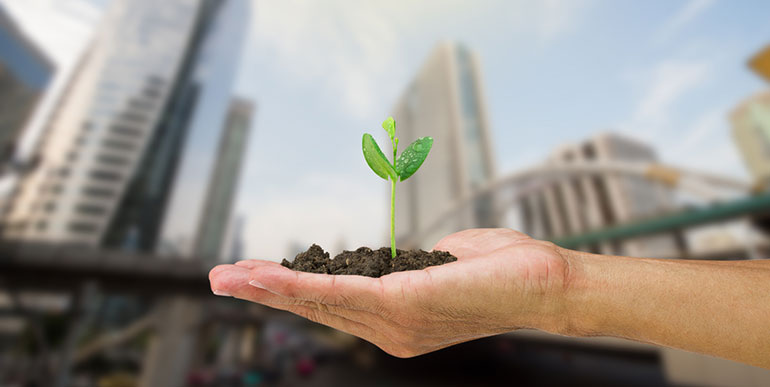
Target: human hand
503, 280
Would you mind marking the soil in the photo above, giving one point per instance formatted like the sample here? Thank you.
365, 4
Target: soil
365, 261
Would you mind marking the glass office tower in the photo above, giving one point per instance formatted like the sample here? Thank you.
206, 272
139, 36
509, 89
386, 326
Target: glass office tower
152, 87
446, 101
164, 202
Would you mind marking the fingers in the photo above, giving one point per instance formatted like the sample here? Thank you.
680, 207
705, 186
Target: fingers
254, 263
233, 281
355, 292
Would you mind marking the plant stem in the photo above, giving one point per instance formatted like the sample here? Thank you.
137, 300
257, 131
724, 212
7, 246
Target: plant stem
394, 141
393, 218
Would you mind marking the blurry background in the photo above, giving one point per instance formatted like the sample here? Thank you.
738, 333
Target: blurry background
142, 142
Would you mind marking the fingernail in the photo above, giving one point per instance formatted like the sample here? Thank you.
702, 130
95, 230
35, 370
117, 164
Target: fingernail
257, 284
222, 293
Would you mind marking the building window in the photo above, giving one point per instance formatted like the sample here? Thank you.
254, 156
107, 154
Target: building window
134, 117
112, 159
83, 227
139, 104
99, 192
90, 209
151, 92
105, 175
126, 130
117, 144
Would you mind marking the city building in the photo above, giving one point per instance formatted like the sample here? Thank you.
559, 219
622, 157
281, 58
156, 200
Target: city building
165, 201
142, 102
215, 218
445, 101
235, 245
751, 132
582, 203
25, 73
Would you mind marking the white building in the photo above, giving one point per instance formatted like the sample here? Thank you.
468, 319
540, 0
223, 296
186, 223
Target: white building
578, 204
445, 101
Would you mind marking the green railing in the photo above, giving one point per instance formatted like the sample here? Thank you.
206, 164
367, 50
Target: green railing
753, 205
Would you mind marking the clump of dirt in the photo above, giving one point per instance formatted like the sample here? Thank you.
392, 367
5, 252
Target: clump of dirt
365, 261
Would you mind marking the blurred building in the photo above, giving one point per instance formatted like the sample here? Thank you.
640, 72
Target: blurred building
145, 105
751, 132
589, 202
446, 101
236, 246
25, 73
215, 219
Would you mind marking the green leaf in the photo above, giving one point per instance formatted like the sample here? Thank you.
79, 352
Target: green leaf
390, 126
412, 157
376, 159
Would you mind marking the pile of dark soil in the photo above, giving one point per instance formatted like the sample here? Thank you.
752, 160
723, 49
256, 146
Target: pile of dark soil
365, 261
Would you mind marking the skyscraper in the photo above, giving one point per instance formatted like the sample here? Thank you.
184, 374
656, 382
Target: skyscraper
163, 205
217, 209
25, 72
573, 205
446, 101
110, 153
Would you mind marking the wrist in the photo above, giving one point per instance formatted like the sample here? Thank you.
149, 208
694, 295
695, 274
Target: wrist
576, 313
559, 294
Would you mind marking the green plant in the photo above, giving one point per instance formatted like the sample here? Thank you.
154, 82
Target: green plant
401, 169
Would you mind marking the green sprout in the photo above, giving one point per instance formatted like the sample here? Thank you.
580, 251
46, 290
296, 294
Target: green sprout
401, 169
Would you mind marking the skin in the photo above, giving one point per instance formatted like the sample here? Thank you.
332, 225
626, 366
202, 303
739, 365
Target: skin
504, 280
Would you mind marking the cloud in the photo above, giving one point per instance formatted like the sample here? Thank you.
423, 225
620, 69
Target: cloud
665, 86
686, 14
555, 17
353, 53
705, 126
343, 49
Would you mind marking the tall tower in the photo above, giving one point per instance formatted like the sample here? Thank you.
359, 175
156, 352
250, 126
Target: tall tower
118, 131
163, 204
446, 101
215, 217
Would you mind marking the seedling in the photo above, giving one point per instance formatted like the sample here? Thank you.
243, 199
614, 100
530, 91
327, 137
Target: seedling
401, 169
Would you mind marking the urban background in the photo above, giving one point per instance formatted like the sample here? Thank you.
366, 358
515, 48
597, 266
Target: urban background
143, 142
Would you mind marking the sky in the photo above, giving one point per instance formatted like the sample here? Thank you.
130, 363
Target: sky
322, 73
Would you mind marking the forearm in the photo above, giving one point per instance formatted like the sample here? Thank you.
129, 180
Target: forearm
719, 309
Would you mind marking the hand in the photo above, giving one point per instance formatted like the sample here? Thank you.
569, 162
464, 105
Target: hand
502, 280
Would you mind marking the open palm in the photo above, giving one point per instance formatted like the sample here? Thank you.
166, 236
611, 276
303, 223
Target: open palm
498, 284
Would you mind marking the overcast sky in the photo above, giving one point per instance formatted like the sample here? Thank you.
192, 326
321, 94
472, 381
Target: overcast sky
667, 72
